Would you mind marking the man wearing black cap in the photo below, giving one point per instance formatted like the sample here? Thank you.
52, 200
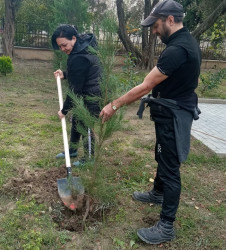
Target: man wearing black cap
173, 107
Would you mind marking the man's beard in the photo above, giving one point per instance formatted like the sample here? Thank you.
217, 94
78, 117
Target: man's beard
165, 34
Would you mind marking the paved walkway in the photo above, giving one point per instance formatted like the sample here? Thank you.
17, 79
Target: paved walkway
210, 128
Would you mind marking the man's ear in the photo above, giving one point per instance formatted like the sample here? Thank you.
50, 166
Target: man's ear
171, 19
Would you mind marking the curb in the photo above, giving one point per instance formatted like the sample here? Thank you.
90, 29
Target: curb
212, 101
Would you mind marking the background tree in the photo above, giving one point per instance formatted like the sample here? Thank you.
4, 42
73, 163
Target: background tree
97, 12
71, 12
209, 21
199, 17
35, 12
133, 14
148, 39
196, 11
122, 32
193, 13
9, 28
2, 8
146, 58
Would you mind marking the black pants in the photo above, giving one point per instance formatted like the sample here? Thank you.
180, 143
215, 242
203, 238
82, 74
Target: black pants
88, 138
167, 179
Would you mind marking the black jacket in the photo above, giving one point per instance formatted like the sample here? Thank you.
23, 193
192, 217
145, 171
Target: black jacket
83, 71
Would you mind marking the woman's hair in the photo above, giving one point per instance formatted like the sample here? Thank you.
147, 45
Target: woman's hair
64, 30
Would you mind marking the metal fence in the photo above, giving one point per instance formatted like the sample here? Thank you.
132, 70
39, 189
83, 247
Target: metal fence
32, 35
38, 36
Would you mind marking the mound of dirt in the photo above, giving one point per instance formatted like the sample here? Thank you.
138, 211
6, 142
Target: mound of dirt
41, 185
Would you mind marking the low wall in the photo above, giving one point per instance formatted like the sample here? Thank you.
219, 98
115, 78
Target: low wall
213, 64
33, 53
47, 54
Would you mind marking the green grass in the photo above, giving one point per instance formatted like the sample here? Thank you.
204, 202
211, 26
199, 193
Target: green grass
4, 153
29, 226
6, 170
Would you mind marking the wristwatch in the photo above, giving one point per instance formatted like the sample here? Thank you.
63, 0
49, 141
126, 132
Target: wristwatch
113, 107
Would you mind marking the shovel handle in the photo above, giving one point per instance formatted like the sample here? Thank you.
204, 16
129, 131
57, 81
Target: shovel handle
64, 128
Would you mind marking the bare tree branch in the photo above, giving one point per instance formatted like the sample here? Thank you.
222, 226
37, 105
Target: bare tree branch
209, 21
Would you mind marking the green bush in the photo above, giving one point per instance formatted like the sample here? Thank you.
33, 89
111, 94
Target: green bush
6, 65
209, 81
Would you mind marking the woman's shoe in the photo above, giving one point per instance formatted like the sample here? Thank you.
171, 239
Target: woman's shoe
71, 153
79, 163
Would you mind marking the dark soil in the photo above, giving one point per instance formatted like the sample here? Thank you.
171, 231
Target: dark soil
41, 185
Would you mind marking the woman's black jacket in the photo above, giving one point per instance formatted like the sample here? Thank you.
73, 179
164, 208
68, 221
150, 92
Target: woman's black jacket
83, 72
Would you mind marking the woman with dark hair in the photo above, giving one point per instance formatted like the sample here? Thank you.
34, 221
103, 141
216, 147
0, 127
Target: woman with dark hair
83, 75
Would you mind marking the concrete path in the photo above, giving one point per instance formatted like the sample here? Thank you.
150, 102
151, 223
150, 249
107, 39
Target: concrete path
210, 128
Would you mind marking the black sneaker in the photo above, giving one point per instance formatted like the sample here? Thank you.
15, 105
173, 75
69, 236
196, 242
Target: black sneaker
152, 196
161, 232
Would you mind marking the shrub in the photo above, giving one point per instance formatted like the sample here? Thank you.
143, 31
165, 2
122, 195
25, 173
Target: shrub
6, 65
210, 80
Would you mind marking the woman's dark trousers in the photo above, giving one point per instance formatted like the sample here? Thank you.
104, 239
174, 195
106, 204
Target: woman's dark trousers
88, 138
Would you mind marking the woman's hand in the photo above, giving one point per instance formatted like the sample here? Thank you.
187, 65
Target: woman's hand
60, 114
60, 73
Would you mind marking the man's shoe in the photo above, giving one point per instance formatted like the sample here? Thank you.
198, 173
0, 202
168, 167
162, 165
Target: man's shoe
163, 231
152, 196
71, 153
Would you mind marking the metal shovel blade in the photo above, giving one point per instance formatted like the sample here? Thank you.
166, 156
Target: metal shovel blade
69, 189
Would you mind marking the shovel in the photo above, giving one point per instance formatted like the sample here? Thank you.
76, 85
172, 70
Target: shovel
71, 187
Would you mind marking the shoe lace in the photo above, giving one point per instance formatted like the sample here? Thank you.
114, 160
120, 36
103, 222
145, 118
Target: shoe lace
156, 227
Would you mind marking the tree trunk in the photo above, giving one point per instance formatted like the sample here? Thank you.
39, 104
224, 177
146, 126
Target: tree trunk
148, 39
128, 45
9, 30
209, 21
147, 9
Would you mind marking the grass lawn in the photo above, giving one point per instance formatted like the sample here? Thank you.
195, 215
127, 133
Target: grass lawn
30, 136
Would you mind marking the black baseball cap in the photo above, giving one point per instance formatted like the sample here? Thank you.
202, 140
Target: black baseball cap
164, 8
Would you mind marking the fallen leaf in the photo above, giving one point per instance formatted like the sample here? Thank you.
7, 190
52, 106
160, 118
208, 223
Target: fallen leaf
132, 243
151, 180
223, 236
219, 201
196, 207
74, 237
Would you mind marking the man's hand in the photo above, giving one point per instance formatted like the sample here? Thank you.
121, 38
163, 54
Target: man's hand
150, 81
60, 73
106, 113
60, 114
